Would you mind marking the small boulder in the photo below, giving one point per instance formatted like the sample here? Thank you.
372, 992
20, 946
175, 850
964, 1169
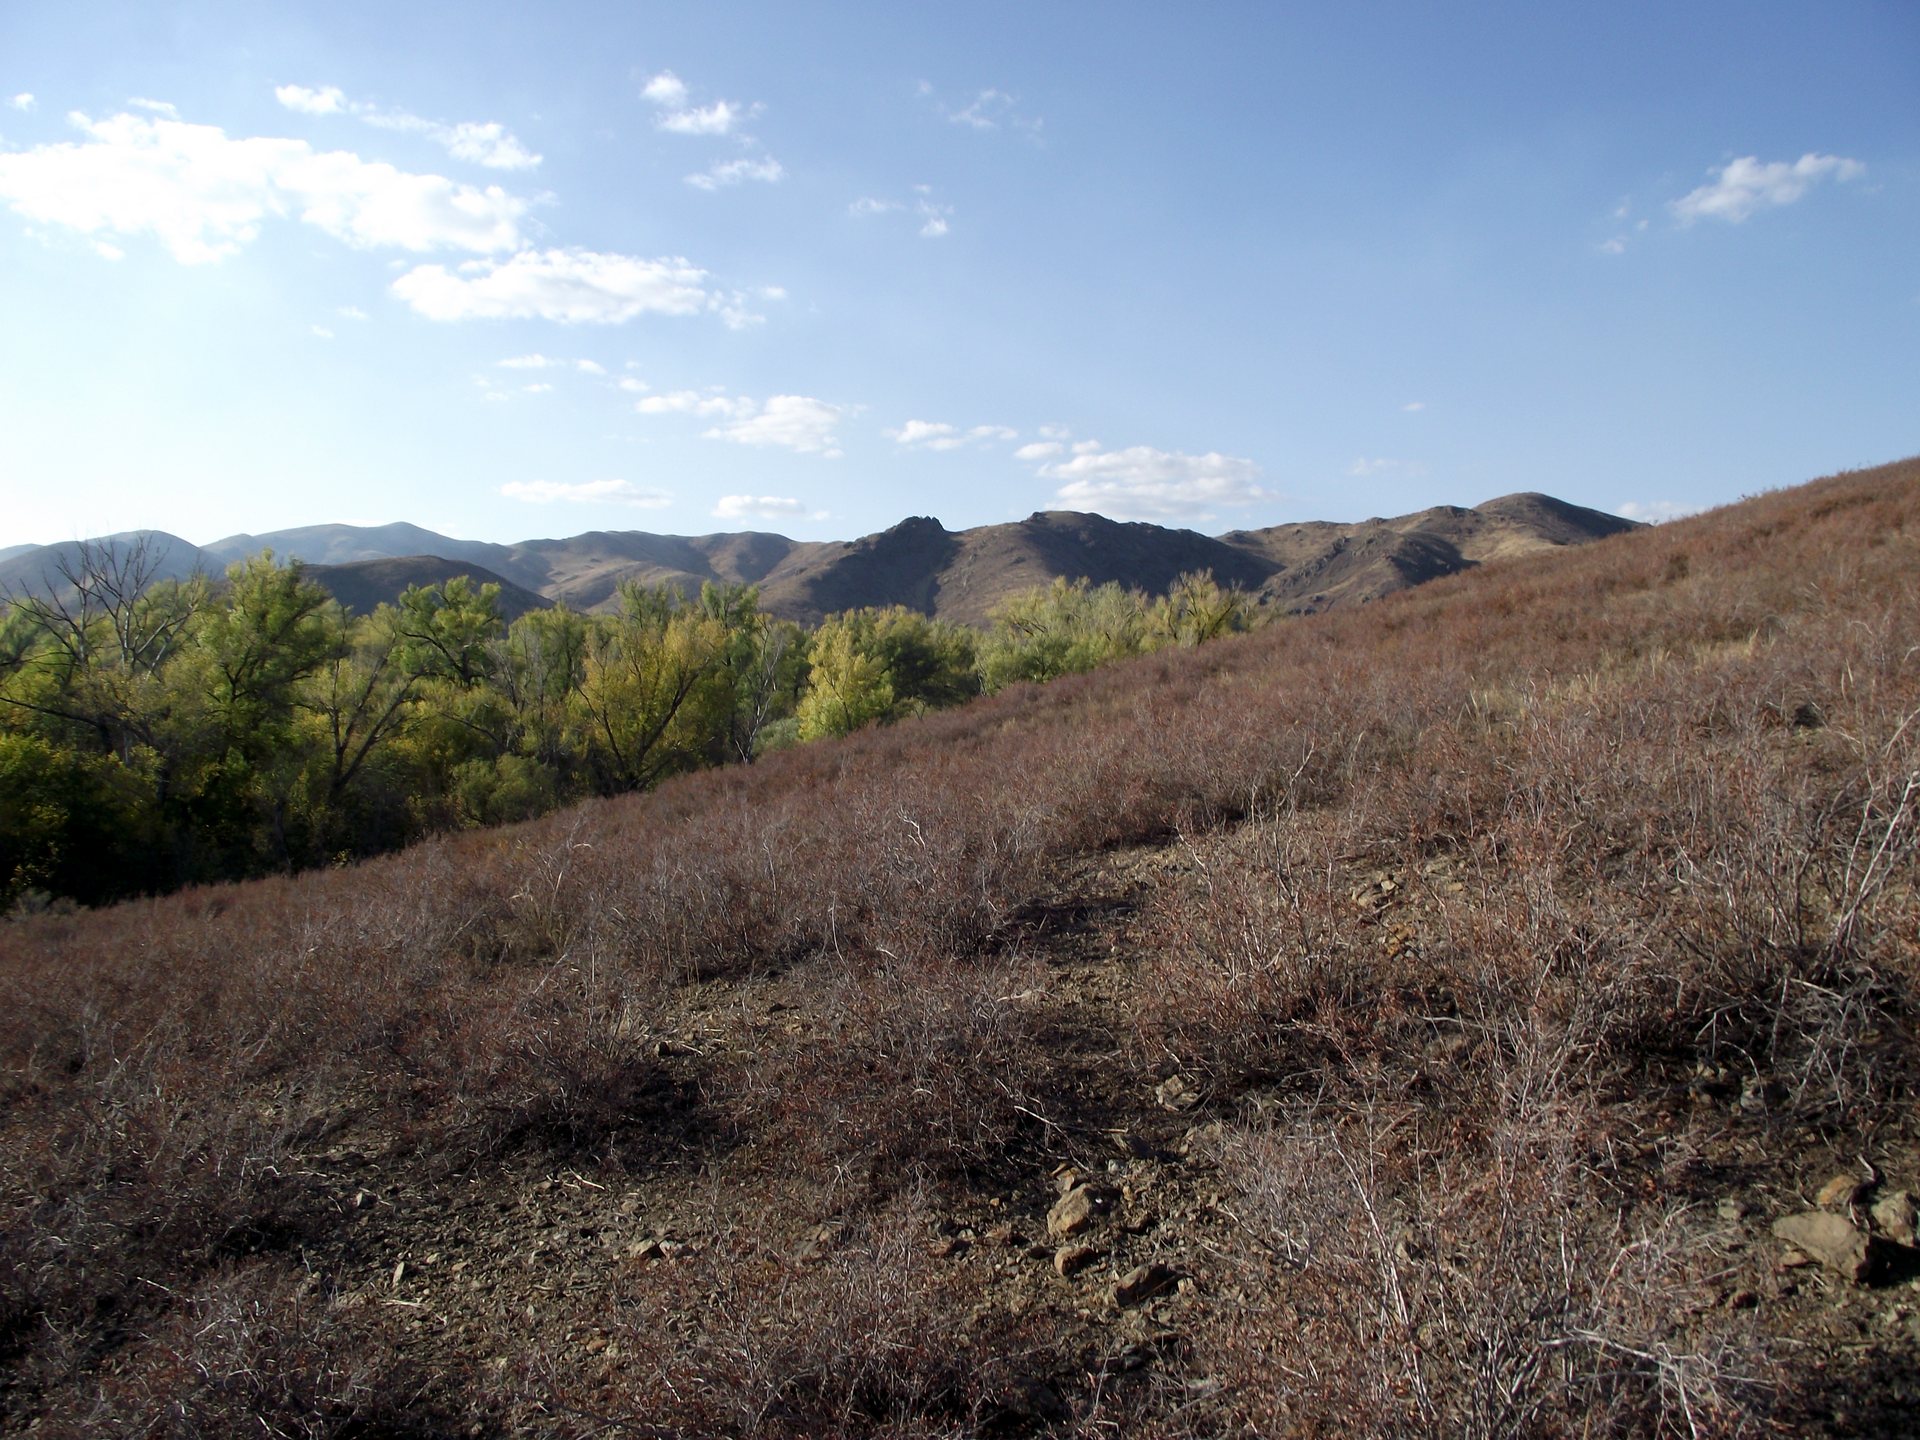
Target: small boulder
1074, 1211
1895, 1216
1839, 1193
1831, 1239
1177, 1093
1072, 1259
1143, 1283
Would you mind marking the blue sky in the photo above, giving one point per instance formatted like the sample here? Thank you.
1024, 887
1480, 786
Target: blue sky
510, 271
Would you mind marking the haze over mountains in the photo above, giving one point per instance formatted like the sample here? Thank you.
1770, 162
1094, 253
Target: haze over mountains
954, 575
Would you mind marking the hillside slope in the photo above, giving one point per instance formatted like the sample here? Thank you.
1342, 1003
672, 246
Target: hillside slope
1487, 1011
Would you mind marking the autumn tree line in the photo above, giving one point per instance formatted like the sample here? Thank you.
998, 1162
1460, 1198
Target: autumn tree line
156, 733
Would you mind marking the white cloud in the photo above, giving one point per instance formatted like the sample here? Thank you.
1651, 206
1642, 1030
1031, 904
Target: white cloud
733, 311
164, 108
792, 422
984, 112
632, 384
933, 220
1039, 450
204, 195
719, 118
1414, 407
1656, 512
934, 216
328, 100
569, 286
924, 432
539, 388
937, 435
370, 203
23, 101
107, 251
666, 89
599, 492
1368, 465
1055, 432
732, 172
694, 402
352, 312
762, 507
487, 142
1744, 186
321, 332
988, 110
1617, 245
547, 362
1142, 483
669, 92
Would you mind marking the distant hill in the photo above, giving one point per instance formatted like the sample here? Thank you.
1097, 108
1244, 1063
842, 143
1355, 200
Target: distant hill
345, 544
43, 569
1320, 566
362, 585
958, 575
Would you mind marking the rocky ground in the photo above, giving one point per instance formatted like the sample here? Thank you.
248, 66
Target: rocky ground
1086, 1274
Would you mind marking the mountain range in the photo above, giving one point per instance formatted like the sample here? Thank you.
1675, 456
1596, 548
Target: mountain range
957, 575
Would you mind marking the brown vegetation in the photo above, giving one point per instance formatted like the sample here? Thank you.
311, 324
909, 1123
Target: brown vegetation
1444, 995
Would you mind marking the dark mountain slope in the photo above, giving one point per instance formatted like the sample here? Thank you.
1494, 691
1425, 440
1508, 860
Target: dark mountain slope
363, 585
905, 565
994, 561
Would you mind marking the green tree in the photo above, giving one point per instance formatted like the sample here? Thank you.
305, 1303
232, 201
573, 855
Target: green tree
930, 663
655, 691
1061, 629
269, 632
538, 670
84, 652
447, 630
1197, 609
73, 823
847, 686
358, 696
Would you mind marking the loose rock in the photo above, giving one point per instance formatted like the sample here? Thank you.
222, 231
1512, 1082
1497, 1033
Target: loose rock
1143, 1282
1177, 1093
1839, 1193
1074, 1211
1835, 1242
1895, 1216
1071, 1259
